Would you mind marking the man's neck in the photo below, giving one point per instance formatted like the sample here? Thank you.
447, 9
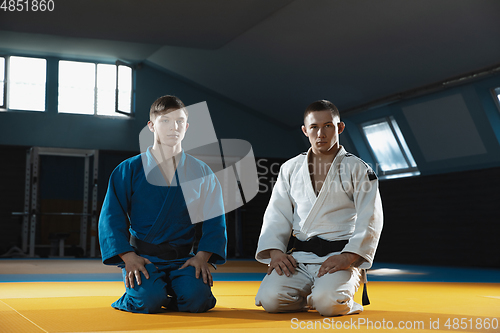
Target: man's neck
164, 153
319, 157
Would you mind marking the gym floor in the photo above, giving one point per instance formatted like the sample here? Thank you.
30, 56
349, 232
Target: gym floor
74, 295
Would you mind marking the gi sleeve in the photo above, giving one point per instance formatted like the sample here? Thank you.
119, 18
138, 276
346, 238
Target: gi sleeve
214, 238
369, 215
278, 219
113, 221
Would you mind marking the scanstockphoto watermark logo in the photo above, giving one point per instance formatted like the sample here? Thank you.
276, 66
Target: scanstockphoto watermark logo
233, 166
354, 324
340, 179
268, 174
366, 324
231, 161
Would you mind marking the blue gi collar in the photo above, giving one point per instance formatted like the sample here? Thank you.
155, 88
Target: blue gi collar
152, 171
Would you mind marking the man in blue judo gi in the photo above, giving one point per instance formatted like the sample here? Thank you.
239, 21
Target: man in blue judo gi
156, 195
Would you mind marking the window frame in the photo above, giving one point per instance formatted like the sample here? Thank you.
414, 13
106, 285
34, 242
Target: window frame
48, 72
95, 114
5, 102
496, 96
117, 91
396, 173
3, 106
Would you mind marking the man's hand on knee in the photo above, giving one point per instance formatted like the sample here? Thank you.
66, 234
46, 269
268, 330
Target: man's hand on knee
200, 263
281, 263
337, 262
134, 265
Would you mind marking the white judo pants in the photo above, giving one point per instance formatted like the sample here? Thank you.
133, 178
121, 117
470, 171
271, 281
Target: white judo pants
331, 294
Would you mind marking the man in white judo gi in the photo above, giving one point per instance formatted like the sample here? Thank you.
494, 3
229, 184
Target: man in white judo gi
328, 200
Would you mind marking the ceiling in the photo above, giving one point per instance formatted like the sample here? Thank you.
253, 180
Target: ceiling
274, 57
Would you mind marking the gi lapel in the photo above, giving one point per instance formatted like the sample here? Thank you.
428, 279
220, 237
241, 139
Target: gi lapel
170, 193
325, 191
309, 189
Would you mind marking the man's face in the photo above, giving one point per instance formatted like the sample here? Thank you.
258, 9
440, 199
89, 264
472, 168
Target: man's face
169, 128
323, 130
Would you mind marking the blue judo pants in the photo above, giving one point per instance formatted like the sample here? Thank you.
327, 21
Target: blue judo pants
169, 287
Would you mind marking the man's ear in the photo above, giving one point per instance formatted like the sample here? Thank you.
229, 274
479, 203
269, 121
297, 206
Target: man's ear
304, 130
151, 126
341, 127
187, 126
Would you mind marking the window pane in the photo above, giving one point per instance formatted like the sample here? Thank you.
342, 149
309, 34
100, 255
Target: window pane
402, 141
2, 80
106, 85
27, 78
124, 88
76, 87
385, 146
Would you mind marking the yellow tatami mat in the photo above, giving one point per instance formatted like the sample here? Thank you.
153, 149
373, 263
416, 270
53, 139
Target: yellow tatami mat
407, 306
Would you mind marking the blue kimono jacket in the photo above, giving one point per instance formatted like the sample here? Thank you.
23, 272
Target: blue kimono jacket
138, 198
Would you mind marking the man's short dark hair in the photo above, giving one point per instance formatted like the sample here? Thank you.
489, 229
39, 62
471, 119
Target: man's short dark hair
322, 105
165, 103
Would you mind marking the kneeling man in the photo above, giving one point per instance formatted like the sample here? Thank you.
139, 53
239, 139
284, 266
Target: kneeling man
328, 200
146, 224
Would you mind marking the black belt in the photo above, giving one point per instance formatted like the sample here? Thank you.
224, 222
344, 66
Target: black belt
163, 251
320, 247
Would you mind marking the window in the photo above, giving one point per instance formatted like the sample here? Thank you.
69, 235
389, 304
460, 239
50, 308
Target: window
95, 89
496, 96
124, 89
389, 148
106, 85
2, 83
76, 87
23, 83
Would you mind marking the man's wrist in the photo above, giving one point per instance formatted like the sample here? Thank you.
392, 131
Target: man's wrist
351, 257
273, 252
205, 256
123, 256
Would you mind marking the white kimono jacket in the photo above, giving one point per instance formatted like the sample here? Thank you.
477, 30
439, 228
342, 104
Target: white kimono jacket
348, 207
